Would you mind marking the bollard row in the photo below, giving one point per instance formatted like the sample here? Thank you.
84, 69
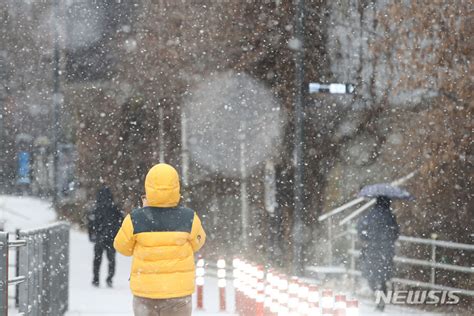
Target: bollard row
221, 283
275, 294
270, 293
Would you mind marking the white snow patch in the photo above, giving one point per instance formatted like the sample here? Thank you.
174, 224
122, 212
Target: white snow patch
24, 212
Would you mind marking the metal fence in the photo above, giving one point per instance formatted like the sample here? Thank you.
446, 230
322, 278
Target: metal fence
5, 280
43, 271
432, 262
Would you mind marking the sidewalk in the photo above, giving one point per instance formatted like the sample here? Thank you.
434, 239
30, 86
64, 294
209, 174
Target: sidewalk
84, 299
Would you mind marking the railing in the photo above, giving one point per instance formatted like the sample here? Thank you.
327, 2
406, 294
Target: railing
355, 202
431, 263
5, 282
43, 264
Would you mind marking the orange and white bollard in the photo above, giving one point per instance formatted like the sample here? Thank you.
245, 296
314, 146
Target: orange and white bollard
352, 308
243, 288
267, 302
236, 274
249, 301
327, 299
313, 300
221, 283
303, 305
293, 288
254, 289
259, 307
275, 295
200, 272
340, 305
283, 296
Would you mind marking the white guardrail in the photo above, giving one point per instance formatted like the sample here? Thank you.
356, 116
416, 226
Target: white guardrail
431, 263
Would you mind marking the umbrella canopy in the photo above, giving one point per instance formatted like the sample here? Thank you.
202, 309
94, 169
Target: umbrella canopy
385, 189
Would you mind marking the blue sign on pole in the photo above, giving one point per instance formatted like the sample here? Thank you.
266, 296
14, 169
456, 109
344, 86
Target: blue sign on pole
24, 167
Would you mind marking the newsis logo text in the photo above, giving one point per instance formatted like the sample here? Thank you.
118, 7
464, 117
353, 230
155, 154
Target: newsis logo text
418, 297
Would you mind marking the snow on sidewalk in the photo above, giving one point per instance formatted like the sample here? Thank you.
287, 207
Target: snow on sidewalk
24, 212
84, 299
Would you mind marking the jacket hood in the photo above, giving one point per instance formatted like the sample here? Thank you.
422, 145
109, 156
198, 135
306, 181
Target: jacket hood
162, 186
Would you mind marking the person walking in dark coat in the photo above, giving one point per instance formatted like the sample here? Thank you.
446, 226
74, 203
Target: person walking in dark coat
104, 223
378, 230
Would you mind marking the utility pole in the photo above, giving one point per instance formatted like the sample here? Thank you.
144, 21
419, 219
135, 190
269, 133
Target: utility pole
297, 267
3, 98
299, 47
57, 97
331, 88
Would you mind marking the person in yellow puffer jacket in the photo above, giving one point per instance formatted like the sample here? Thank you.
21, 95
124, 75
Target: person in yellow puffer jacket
162, 237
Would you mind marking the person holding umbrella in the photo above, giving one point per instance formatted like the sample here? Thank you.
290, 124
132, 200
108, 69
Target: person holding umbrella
378, 230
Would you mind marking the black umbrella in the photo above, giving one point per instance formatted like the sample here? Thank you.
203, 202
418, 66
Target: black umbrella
385, 189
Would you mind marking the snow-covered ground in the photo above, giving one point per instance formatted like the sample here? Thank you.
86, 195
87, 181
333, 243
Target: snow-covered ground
86, 300
24, 212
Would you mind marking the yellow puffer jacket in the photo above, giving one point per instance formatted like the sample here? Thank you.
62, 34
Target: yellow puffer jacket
162, 238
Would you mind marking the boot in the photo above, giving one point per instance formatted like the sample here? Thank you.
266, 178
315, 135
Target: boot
95, 282
109, 282
380, 306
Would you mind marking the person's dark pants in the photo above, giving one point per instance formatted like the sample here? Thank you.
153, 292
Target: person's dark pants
99, 249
